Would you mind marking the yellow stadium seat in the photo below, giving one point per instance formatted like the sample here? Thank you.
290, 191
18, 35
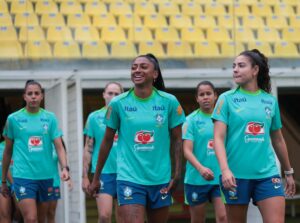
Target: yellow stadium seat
59, 34
268, 34
155, 21
5, 19
272, 2
86, 34
179, 50
214, 9
180, 21
204, 21
129, 20
112, 34
26, 19
120, 8
264, 47
153, 47
52, 19
217, 34
134, 1
111, 1
261, 10
46, 7
286, 50
66, 50
206, 49
38, 50
191, 8
291, 2
139, 34
86, 1
94, 50
276, 21
166, 34
144, 8
284, 9
291, 34
10, 49
159, 1
231, 49
248, 2
70, 7
167, 8
243, 35
252, 21
8, 33
225, 2
104, 20
21, 6
95, 8
238, 9
295, 21
78, 20
123, 50
191, 34
228, 21
3, 6
31, 33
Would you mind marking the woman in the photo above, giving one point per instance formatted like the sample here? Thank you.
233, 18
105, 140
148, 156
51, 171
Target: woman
29, 135
148, 122
247, 128
94, 133
201, 183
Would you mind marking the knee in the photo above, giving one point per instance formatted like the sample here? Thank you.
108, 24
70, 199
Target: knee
31, 219
104, 218
221, 218
51, 214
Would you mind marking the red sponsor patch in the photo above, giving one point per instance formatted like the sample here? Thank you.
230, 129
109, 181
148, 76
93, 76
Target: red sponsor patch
255, 128
144, 137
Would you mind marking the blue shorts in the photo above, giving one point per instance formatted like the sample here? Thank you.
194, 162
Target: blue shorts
108, 184
56, 194
257, 189
40, 190
149, 196
199, 194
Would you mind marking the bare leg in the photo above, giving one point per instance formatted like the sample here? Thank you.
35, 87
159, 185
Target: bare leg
132, 213
5, 209
51, 211
159, 215
236, 213
42, 209
28, 209
220, 210
117, 212
198, 213
104, 204
272, 209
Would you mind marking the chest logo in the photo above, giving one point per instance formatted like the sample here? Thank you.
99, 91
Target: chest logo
255, 128
144, 137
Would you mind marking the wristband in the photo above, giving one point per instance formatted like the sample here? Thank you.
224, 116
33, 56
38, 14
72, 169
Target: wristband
289, 172
4, 182
65, 167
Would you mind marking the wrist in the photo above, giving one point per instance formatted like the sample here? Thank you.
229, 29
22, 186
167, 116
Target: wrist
65, 167
3, 182
289, 172
224, 169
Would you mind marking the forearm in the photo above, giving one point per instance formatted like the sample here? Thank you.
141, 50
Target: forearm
282, 153
5, 164
219, 145
61, 153
177, 147
9, 177
87, 156
189, 155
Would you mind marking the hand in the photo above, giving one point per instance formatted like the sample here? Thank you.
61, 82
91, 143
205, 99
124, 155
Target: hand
70, 184
94, 188
172, 186
290, 187
5, 191
85, 184
65, 174
228, 180
206, 173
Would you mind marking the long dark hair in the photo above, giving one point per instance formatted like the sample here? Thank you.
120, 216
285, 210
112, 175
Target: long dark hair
263, 76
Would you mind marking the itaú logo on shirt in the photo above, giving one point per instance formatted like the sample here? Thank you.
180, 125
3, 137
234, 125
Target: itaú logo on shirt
144, 137
255, 128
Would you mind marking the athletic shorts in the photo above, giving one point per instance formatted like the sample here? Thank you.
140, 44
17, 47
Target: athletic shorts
149, 196
257, 189
108, 184
199, 194
40, 190
56, 194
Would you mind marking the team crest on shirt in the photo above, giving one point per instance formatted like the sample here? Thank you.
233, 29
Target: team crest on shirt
144, 140
127, 193
210, 147
194, 197
254, 132
268, 112
35, 144
159, 119
45, 127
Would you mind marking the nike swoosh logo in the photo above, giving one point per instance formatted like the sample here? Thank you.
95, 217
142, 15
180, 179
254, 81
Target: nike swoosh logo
163, 197
276, 187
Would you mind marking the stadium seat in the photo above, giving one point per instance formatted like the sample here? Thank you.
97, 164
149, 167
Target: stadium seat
86, 34
3, 6
70, 7
286, 50
191, 8
205, 49
123, 50
180, 21
52, 19
78, 20
129, 20
204, 21
272, 2
26, 19
59, 34
167, 9
231, 49
261, 10
112, 34
144, 8
295, 21
291, 34
120, 8
21, 6
95, 8
217, 34
155, 21
284, 9
264, 47
191, 34
8, 33
179, 50
64, 1
5, 19
86, 1
46, 7
94, 50
37, 50
10, 49
243, 35
31, 33
291, 2
276, 21
134, 1
252, 21
66, 50
104, 20
139, 34
248, 2
166, 34
224, 2
268, 34
153, 47
214, 9
228, 21
238, 9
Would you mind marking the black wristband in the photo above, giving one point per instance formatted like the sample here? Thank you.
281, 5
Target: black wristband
65, 167
3, 182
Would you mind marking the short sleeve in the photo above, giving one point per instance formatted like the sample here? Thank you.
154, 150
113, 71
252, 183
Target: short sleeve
112, 118
176, 116
220, 112
55, 130
188, 130
276, 120
8, 130
88, 130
